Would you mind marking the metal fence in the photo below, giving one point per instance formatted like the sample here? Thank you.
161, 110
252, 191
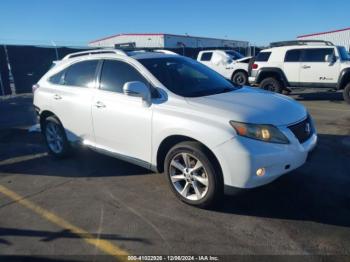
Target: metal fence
23, 66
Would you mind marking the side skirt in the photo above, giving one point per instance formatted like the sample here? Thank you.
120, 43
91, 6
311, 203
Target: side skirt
119, 156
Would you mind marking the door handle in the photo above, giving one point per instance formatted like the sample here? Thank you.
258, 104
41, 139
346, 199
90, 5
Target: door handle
99, 104
306, 67
57, 97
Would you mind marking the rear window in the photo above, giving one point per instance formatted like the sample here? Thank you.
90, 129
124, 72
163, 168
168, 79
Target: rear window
58, 79
263, 57
293, 55
206, 56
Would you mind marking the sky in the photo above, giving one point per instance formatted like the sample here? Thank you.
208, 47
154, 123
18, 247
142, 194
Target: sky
76, 22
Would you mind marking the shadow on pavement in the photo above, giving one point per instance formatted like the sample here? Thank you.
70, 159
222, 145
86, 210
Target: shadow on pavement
25, 153
47, 236
318, 96
318, 191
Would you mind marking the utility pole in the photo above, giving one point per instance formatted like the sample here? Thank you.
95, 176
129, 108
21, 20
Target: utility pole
56, 51
13, 84
2, 86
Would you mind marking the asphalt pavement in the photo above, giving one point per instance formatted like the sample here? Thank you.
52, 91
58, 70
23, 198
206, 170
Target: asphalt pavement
91, 204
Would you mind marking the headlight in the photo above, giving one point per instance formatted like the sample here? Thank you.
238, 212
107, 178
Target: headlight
267, 133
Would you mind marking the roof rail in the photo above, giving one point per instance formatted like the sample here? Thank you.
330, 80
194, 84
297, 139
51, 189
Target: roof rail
300, 42
163, 51
95, 52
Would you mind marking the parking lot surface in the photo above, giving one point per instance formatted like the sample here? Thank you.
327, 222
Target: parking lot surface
92, 204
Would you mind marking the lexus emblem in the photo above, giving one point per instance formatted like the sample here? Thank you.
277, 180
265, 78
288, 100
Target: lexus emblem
307, 128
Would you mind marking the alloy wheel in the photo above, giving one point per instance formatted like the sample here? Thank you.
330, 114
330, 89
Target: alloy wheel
188, 176
54, 137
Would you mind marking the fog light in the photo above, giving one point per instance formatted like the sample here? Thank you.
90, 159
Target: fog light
260, 172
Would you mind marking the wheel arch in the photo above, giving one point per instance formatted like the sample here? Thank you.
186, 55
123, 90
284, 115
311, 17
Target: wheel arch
239, 70
170, 141
271, 72
43, 115
344, 78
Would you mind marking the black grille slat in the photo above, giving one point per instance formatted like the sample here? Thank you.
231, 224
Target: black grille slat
300, 130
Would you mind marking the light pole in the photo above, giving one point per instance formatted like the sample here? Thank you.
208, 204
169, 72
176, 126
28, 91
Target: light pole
56, 51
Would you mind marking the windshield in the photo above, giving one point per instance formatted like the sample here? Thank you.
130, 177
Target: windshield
186, 77
234, 55
344, 55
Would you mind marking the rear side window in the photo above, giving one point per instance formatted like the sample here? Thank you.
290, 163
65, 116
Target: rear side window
81, 74
206, 56
57, 79
263, 57
316, 54
293, 55
116, 73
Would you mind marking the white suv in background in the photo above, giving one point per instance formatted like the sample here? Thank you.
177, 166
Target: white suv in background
229, 63
309, 63
171, 114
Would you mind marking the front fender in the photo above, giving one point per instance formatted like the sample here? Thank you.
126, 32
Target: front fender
208, 132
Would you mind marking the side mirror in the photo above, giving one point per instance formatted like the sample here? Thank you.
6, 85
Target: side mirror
330, 59
138, 89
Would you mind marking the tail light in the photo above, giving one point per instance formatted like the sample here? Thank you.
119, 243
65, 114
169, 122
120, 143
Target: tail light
255, 66
35, 87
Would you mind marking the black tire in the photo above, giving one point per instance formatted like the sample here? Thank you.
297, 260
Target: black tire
240, 78
65, 150
214, 189
271, 84
346, 93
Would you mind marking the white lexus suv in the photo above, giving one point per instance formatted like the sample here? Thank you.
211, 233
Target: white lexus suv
171, 114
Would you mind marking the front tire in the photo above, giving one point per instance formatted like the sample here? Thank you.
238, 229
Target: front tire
55, 137
346, 93
240, 78
191, 174
271, 84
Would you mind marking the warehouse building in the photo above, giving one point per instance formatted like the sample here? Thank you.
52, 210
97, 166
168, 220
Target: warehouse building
168, 41
338, 37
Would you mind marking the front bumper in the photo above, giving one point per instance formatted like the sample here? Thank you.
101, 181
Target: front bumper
241, 157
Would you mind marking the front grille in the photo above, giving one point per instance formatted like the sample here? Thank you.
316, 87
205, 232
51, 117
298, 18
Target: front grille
302, 130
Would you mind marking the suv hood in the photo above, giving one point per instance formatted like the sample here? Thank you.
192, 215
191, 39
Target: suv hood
251, 105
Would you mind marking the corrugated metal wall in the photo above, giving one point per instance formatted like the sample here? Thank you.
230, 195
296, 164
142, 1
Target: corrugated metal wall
168, 41
141, 41
338, 38
172, 41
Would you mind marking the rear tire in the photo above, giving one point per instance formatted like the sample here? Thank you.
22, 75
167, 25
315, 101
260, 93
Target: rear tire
240, 78
192, 175
346, 93
55, 137
271, 84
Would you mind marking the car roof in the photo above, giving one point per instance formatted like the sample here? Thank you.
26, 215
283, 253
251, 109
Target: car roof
145, 55
294, 47
115, 53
